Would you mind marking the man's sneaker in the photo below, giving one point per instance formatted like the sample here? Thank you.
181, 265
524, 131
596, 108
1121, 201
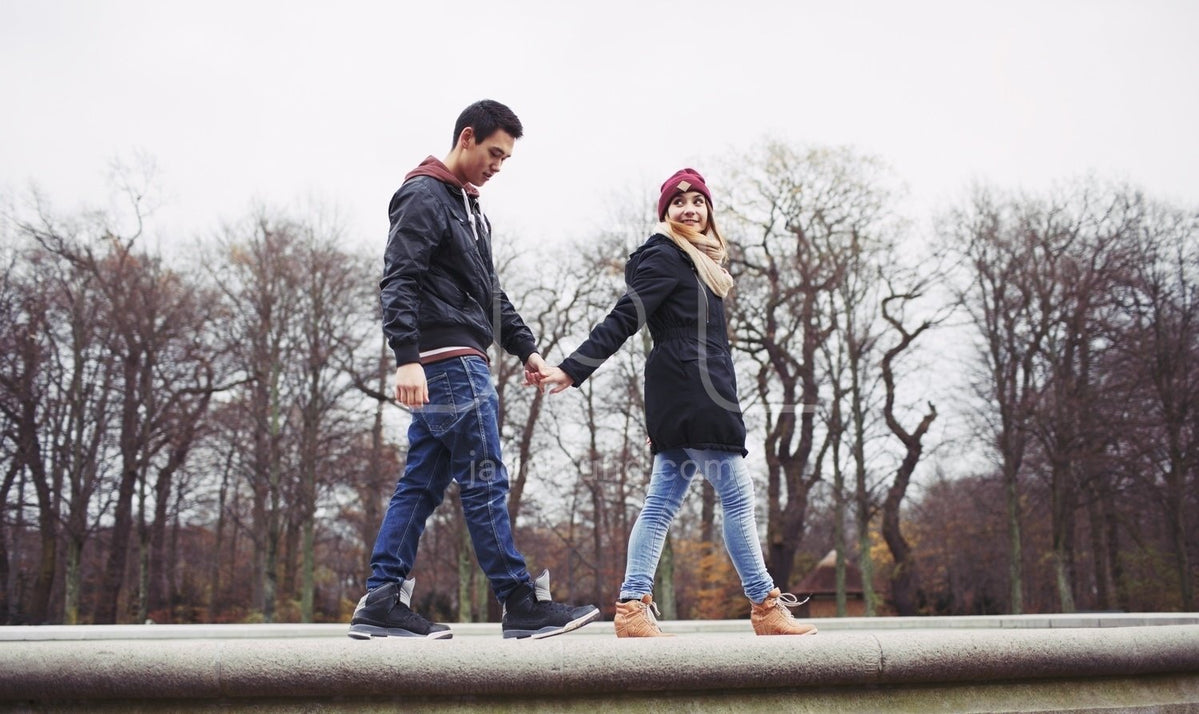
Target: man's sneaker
530, 612
385, 612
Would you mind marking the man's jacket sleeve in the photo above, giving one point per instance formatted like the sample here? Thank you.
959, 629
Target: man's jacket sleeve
515, 336
416, 230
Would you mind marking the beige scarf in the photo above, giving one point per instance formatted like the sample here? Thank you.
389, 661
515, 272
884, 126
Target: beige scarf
707, 252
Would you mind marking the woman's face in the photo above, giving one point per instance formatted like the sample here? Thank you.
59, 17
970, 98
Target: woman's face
690, 208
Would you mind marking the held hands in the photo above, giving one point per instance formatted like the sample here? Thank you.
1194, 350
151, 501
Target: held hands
541, 375
412, 390
556, 379
534, 367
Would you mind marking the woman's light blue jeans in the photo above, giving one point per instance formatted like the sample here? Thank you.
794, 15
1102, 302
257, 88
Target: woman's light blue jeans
673, 472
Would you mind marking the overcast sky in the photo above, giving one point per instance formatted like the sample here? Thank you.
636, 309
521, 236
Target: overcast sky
294, 103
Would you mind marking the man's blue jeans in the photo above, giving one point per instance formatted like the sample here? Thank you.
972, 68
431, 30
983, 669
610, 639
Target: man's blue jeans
454, 436
673, 472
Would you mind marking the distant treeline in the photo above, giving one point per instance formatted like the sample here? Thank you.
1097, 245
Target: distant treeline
996, 412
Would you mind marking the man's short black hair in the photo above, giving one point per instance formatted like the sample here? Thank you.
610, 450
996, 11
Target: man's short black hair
484, 117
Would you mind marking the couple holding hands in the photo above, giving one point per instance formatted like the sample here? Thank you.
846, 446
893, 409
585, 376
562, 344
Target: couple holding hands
443, 307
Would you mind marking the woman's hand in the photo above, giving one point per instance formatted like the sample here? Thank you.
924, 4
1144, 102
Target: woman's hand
556, 379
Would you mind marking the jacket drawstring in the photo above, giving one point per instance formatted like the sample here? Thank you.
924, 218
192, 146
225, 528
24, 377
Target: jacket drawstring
470, 215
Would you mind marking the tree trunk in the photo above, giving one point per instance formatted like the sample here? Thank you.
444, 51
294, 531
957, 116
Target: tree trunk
143, 558
274, 536
665, 596
598, 537
836, 429
707, 515
707, 518
839, 544
1182, 557
304, 556
1011, 493
5, 605
1102, 579
467, 610
1063, 508
258, 537
158, 581
1111, 525
109, 598
10, 477
73, 541
903, 576
29, 453
307, 568
862, 507
1176, 518
786, 522
866, 565
214, 570
524, 457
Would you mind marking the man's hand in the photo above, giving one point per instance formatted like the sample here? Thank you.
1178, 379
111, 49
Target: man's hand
535, 366
556, 379
411, 389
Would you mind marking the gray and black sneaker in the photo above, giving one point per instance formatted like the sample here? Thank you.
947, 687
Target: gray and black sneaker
530, 612
385, 612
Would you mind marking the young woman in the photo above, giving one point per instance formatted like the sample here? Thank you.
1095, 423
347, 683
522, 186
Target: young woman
677, 284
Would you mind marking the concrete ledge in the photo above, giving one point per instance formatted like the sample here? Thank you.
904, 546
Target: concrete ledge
270, 667
484, 629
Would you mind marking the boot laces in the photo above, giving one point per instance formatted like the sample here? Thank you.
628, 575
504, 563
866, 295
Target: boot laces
789, 600
651, 611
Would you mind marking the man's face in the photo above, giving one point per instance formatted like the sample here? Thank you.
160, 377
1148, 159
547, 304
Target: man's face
482, 159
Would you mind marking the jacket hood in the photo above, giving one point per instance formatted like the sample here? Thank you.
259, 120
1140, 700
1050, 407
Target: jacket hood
636, 256
432, 166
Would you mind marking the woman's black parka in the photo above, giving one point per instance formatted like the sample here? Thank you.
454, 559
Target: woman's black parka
690, 386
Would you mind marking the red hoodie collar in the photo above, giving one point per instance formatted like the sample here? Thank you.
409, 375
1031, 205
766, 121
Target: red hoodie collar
432, 166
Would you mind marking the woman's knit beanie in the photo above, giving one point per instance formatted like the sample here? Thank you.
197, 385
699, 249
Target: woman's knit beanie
681, 181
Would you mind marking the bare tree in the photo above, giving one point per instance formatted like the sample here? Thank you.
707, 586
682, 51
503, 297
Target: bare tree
333, 306
138, 302
599, 430
1157, 363
23, 387
851, 363
1048, 302
903, 575
257, 275
1001, 304
799, 212
1079, 242
371, 373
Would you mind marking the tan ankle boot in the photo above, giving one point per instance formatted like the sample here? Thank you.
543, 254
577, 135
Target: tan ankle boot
635, 618
771, 616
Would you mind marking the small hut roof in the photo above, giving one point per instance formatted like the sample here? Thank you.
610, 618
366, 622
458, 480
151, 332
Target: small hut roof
823, 578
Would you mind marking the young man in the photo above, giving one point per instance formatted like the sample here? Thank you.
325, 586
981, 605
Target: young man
441, 300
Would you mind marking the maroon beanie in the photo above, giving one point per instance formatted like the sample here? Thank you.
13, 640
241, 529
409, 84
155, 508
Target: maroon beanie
682, 181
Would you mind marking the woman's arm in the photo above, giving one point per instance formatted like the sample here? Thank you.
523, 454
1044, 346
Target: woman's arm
654, 277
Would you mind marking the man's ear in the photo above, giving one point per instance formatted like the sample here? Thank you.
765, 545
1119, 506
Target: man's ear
466, 137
